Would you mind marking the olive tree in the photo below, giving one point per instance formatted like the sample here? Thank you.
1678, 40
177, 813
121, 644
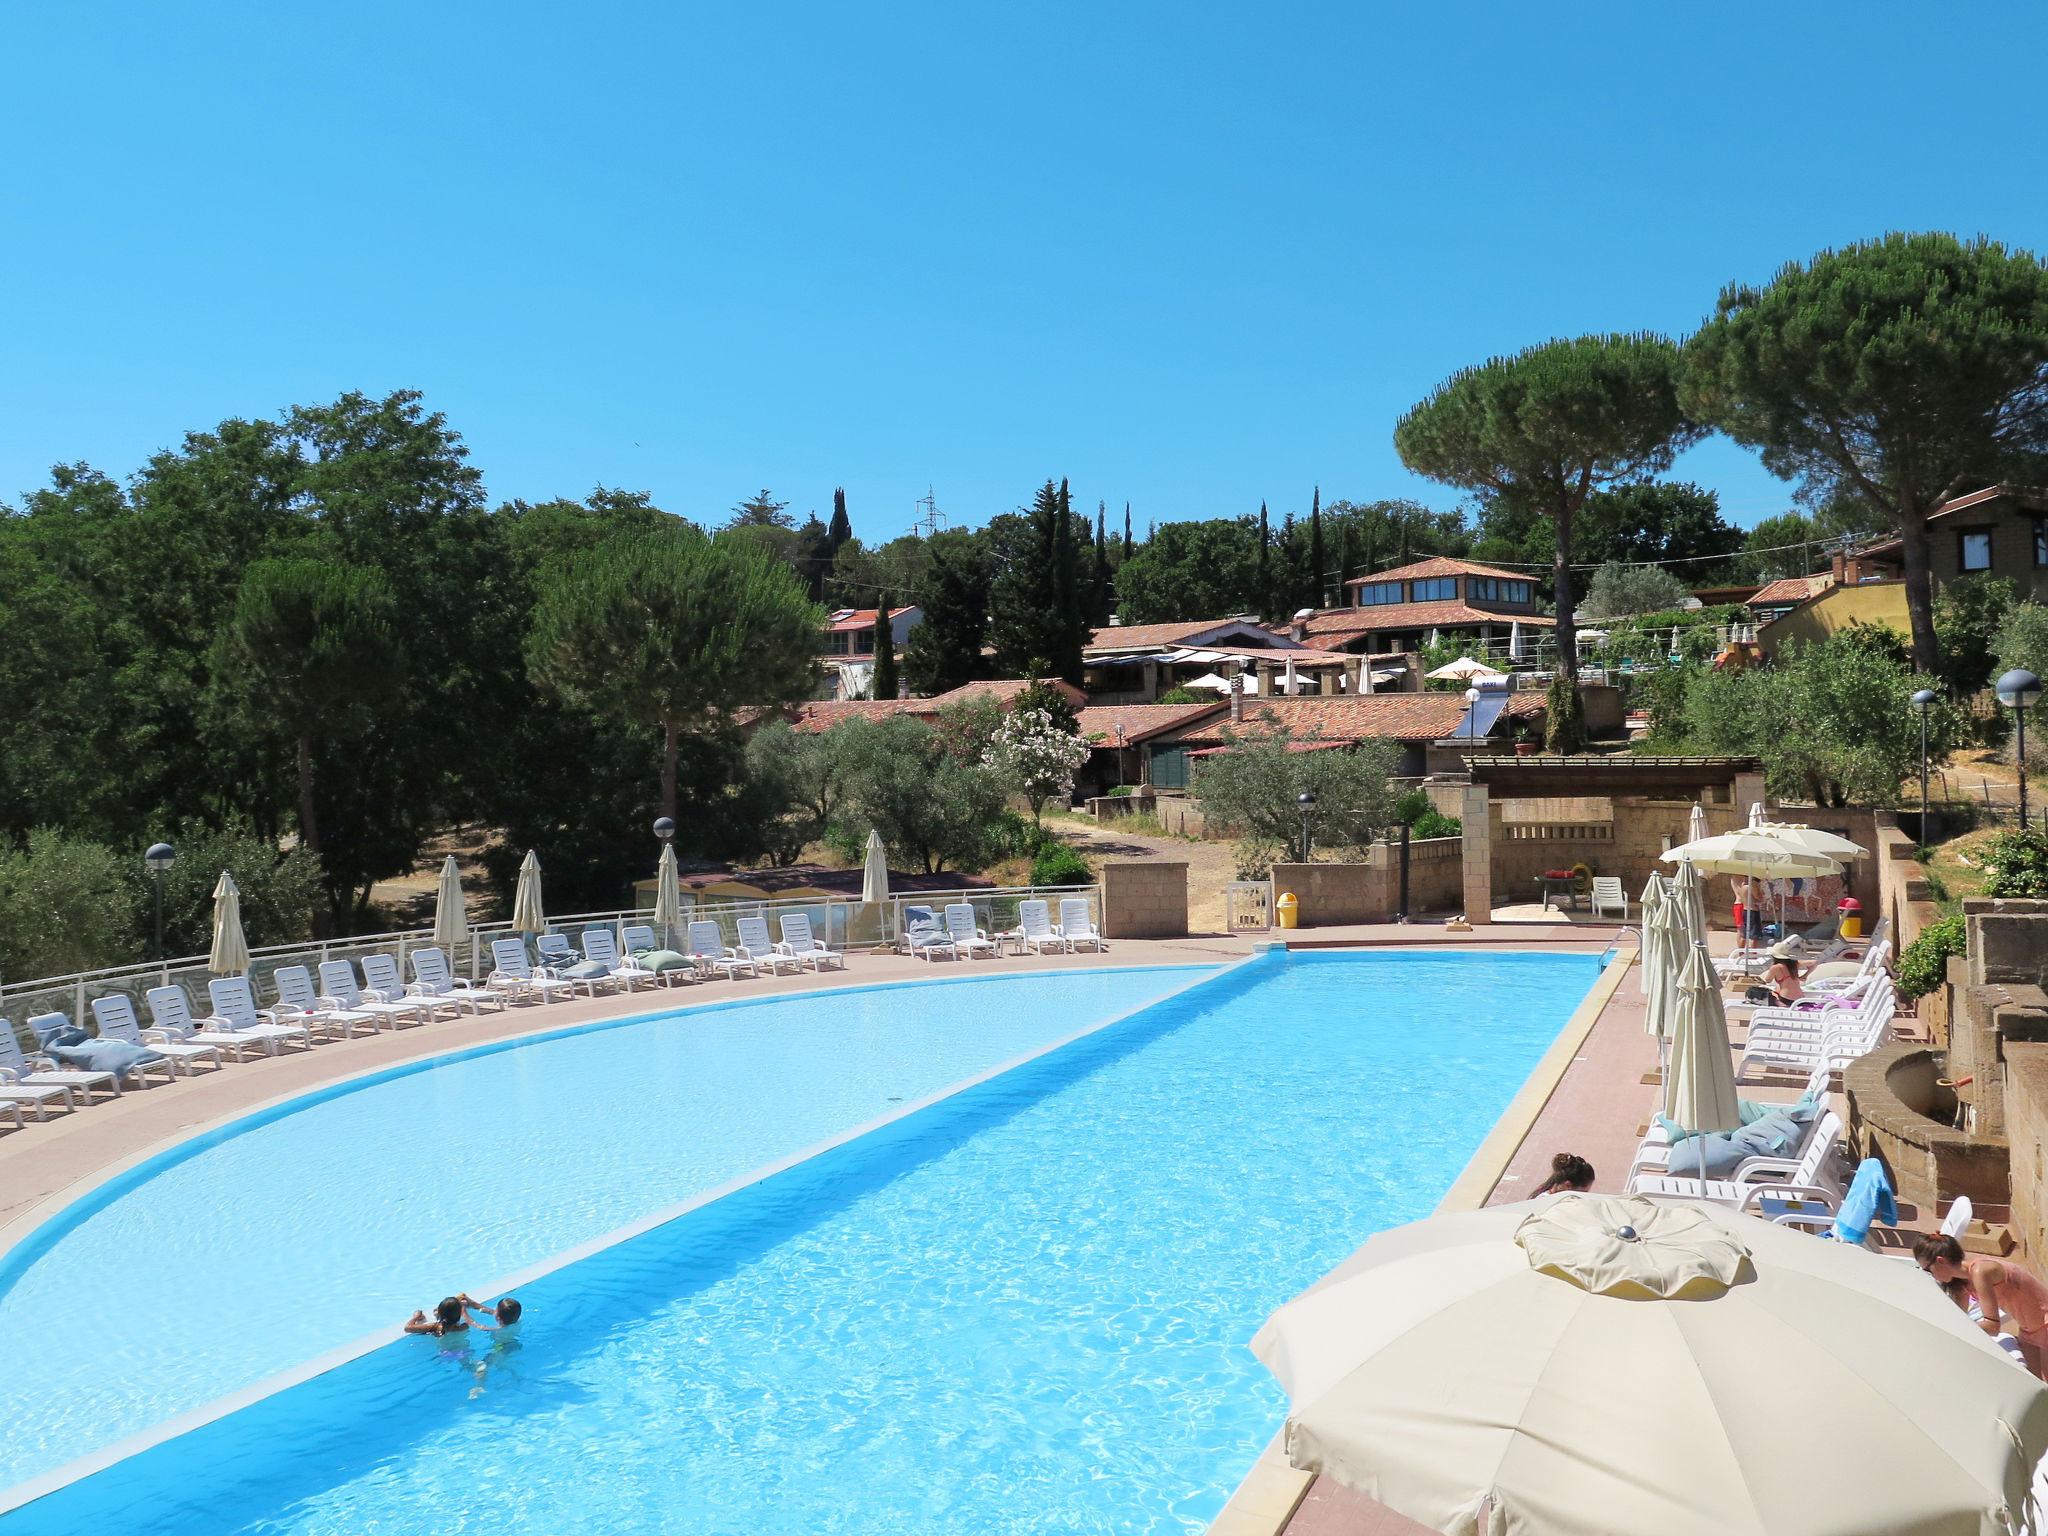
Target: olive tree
1901, 371
1542, 431
1256, 782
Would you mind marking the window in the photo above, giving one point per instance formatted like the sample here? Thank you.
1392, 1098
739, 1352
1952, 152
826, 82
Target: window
1436, 590
1515, 592
2041, 542
1973, 549
864, 642
1170, 768
838, 643
1482, 589
1374, 593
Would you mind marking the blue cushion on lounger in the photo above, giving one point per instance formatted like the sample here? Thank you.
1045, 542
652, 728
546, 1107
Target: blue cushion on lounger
101, 1055
588, 970
1723, 1150
659, 960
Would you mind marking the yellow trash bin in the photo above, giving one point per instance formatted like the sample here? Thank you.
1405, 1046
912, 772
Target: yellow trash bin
1850, 918
1289, 910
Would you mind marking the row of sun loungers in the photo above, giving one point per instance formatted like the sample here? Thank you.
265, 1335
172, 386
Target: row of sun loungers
337, 1005
955, 934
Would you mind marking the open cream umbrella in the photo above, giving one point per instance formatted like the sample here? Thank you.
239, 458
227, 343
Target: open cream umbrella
668, 897
1589, 1365
451, 914
230, 953
527, 916
1699, 1087
1464, 670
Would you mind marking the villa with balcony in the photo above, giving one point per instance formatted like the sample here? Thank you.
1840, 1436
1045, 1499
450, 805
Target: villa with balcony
1407, 608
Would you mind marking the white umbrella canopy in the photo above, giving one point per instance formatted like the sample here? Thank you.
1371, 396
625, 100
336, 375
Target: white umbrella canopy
1463, 670
874, 880
527, 916
1699, 1087
451, 915
230, 953
668, 897
1753, 852
1590, 1364
1208, 680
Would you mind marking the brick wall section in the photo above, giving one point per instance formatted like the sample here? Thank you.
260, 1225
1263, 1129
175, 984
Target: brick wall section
1145, 900
1903, 893
1475, 895
1370, 891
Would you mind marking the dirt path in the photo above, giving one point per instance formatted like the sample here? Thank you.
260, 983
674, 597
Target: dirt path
1209, 864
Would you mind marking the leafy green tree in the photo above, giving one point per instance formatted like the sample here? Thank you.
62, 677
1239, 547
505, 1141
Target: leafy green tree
1192, 570
1905, 369
927, 804
677, 631
1036, 756
2022, 640
1042, 697
1618, 591
761, 510
64, 906
795, 783
859, 572
1389, 533
1254, 787
1128, 546
1672, 522
1968, 616
2016, 865
886, 685
1544, 429
281, 889
944, 650
311, 647
1786, 545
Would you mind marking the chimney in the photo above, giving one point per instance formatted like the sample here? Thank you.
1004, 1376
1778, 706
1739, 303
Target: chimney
1116, 621
1237, 695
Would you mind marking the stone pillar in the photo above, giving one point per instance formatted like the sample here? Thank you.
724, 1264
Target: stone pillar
1478, 885
1749, 790
1151, 684
1353, 670
1265, 669
1326, 681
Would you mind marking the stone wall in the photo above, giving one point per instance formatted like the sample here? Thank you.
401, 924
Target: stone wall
1113, 807
1370, 891
2026, 1115
1903, 894
1180, 815
1145, 899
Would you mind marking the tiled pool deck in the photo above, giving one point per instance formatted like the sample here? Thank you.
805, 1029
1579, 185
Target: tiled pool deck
1589, 1096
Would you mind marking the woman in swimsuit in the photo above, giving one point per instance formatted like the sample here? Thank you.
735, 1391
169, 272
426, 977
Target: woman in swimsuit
2011, 1299
1783, 976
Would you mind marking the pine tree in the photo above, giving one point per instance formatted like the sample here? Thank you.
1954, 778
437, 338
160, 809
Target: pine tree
1262, 576
1127, 530
1036, 623
886, 686
841, 528
1098, 613
1319, 573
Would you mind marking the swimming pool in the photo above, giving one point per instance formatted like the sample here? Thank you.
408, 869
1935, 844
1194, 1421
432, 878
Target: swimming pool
1023, 1308
253, 1252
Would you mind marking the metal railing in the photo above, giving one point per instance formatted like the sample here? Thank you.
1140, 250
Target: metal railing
841, 922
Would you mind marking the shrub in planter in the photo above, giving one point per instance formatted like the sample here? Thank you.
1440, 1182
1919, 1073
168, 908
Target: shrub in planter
1923, 964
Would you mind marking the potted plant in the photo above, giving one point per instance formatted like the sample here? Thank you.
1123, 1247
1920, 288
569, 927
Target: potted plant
1525, 741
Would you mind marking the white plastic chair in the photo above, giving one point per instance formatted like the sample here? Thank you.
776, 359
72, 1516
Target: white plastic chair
513, 974
1608, 893
755, 945
431, 977
235, 1013
40, 1071
709, 954
1077, 924
299, 1001
1034, 922
114, 1014
801, 944
961, 929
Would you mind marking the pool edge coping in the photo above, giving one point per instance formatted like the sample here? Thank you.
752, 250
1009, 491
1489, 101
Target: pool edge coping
1268, 1496
29, 1490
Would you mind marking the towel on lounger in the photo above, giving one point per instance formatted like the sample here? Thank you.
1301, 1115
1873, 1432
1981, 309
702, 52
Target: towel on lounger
1869, 1199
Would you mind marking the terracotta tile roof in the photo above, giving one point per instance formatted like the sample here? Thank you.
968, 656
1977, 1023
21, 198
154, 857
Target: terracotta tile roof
1003, 690
1099, 722
1140, 637
1439, 565
1344, 718
844, 619
1359, 621
822, 714
1791, 589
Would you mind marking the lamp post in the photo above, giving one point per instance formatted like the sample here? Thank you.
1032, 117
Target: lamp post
2019, 690
664, 829
1471, 719
1306, 803
1923, 701
158, 858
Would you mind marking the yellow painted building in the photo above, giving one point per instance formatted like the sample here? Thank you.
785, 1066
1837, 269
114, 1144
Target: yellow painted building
1869, 602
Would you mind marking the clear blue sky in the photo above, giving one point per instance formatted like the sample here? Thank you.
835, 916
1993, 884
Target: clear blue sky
1190, 255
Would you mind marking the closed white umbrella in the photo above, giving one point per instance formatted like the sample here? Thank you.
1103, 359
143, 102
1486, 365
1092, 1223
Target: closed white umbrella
1688, 896
1588, 1365
1515, 641
527, 916
230, 953
1663, 927
1699, 1088
1696, 823
1652, 902
668, 897
874, 880
451, 915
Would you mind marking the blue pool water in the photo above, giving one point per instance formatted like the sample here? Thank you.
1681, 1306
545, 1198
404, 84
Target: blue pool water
1022, 1309
273, 1246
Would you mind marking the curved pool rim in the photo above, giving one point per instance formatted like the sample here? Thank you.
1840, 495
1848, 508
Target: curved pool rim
49, 1221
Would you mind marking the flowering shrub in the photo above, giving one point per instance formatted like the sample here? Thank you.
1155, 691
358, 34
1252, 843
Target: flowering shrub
1036, 757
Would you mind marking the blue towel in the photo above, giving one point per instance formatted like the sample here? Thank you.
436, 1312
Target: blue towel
1869, 1199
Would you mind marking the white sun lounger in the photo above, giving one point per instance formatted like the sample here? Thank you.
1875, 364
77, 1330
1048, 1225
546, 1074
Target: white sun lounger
709, 954
1759, 1176
961, 929
382, 983
1077, 924
39, 1071
756, 946
558, 958
235, 1012
114, 1015
1608, 894
514, 975
117, 1004
600, 947
925, 935
20, 1095
338, 989
1035, 928
298, 1002
801, 945
171, 1016
431, 977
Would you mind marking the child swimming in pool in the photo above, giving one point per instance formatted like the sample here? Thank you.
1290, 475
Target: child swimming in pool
504, 1345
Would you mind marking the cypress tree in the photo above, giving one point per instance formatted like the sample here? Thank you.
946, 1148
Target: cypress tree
1290, 582
842, 528
1070, 615
886, 686
1345, 569
1099, 612
1127, 530
1262, 574
1319, 585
